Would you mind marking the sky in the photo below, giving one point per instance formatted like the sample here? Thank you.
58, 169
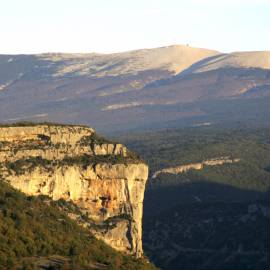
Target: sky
106, 26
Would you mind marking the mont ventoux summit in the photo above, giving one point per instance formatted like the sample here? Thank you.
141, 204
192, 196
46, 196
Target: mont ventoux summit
153, 88
188, 141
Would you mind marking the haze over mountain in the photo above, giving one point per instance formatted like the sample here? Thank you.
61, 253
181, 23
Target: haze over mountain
149, 88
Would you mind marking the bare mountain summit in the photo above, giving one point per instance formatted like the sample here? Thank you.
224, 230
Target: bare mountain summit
149, 88
174, 59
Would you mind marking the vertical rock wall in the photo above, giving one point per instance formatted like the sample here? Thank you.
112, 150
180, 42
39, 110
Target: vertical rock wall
104, 179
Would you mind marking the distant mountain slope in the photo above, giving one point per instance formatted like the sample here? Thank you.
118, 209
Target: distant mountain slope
172, 58
149, 88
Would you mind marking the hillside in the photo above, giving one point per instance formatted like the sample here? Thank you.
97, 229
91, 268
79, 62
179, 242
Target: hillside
207, 200
210, 236
35, 232
156, 88
172, 148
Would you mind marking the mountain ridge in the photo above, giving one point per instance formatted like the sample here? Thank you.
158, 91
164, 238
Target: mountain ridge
134, 89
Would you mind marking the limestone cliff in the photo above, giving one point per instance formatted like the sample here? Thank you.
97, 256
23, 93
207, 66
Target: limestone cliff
104, 179
196, 166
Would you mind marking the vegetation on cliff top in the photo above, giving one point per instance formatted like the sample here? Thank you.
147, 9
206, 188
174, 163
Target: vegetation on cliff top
91, 141
32, 228
33, 124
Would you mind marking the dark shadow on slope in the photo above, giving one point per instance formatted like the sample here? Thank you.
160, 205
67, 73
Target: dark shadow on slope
227, 228
161, 198
203, 63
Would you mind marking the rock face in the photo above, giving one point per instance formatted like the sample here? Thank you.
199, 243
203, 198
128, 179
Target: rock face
104, 179
196, 166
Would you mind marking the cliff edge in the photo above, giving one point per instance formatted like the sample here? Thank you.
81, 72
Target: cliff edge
104, 179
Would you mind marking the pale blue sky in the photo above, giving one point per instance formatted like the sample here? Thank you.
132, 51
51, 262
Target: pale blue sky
34, 26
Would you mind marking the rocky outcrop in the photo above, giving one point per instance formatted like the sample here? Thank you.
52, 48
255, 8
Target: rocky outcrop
55, 133
195, 166
53, 142
104, 179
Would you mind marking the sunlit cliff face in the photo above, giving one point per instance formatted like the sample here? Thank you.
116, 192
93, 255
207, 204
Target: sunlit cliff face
103, 178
